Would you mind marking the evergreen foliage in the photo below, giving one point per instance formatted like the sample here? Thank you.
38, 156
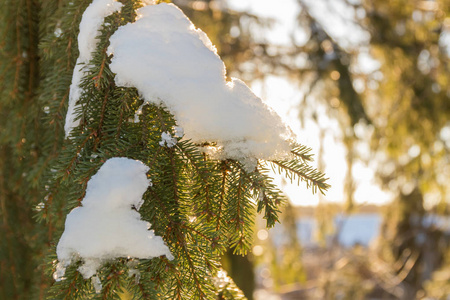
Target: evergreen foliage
406, 40
20, 147
200, 206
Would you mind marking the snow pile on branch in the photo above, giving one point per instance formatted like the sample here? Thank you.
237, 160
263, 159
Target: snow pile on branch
90, 25
171, 62
167, 140
106, 226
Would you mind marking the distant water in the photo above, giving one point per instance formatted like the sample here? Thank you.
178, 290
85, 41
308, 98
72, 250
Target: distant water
353, 229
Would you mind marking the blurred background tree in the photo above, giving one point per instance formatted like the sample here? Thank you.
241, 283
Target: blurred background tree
405, 100
20, 148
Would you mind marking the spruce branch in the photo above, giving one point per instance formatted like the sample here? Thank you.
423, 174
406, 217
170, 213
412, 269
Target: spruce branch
296, 170
199, 205
222, 193
203, 173
302, 152
240, 209
270, 197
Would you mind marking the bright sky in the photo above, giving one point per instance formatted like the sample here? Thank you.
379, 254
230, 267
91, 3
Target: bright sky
284, 97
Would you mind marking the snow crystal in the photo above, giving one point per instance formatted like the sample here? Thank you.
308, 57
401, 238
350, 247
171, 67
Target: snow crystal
139, 112
172, 63
105, 226
168, 140
221, 280
90, 25
133, 271
40, 206
97, 284
179, 131
58, 275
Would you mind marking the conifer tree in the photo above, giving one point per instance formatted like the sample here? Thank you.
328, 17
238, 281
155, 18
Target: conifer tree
200, 204
20, 148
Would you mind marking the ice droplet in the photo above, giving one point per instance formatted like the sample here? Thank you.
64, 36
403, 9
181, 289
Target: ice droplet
58, 32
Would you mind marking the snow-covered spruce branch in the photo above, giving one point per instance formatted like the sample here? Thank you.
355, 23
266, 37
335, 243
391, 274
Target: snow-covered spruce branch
167, 196
152, 94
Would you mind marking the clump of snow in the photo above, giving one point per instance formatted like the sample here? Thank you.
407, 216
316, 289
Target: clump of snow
90, 25
106, 226
91, 22
172, 63
168, 140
